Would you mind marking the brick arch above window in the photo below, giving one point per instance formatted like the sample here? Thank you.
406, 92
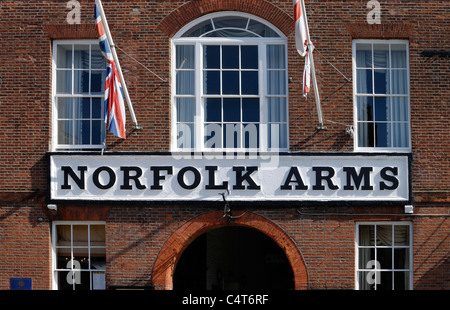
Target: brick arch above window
192, 10
380, 31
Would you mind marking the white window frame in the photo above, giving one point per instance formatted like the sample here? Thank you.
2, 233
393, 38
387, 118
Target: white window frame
70, 147
55, 271
199, 122
392, 246
355, 106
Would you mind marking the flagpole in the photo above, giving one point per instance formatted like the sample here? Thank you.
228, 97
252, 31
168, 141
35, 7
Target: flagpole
116, 61
313, 69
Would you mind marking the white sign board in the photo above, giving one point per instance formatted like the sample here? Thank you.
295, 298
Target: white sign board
143, 177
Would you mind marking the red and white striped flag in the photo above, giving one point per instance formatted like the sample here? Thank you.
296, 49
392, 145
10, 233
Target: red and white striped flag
301, 42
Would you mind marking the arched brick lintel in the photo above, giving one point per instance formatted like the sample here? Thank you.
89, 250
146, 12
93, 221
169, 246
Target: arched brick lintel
172, 23
167, 259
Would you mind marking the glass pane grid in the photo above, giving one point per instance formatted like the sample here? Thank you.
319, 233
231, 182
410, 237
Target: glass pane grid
80, 75
382, 76
229, 70
383, 256
81, 258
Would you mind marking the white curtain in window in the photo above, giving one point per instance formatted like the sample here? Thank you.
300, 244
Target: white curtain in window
277, 105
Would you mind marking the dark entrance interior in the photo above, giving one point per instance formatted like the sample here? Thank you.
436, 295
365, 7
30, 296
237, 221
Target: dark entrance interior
233, 258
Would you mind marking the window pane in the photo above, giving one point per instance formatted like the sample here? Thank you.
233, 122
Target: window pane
81, 59
82, 108
63, 235
230, 57
276, 57
365, 135
63, 257
261, 29
401, 258
97, 132
230, 21
400, 133
199, 29
213, 110
363, 55
97, 59
64, 56
384, 235
386, 281
401, 280
230, 82
185, 83
366, 235
277, 109
185, 57
249, 82
276, 82
64, 81
366, 255
398, 54
401, 235
384, 257
399, 108
98, 81
81, 82
381, 78
185, 135
231, 110
365, 108
211, 82
80, 235
81, 258
250, 110
381, 55
382, 110
97, 105
232, 135
65, 108
213, 135
251, 135
65, 132
399, 82
382, 135
82, 132
211, 57
366, 280
364, 81
277, 136
185, 110
97, 235
249, 57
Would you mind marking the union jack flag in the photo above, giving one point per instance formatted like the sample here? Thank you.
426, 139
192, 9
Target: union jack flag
114, 99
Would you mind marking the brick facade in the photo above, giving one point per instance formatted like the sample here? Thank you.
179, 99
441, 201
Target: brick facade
319, 241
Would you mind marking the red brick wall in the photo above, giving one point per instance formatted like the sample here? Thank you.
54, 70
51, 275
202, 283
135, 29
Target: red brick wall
143, 29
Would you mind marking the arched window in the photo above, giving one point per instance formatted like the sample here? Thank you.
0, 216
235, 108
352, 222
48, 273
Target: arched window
229, 85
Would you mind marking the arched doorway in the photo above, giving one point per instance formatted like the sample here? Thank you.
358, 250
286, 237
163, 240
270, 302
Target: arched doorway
230, 258
184, 236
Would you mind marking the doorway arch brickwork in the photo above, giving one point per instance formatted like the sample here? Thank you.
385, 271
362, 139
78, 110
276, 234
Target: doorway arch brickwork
171, 251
